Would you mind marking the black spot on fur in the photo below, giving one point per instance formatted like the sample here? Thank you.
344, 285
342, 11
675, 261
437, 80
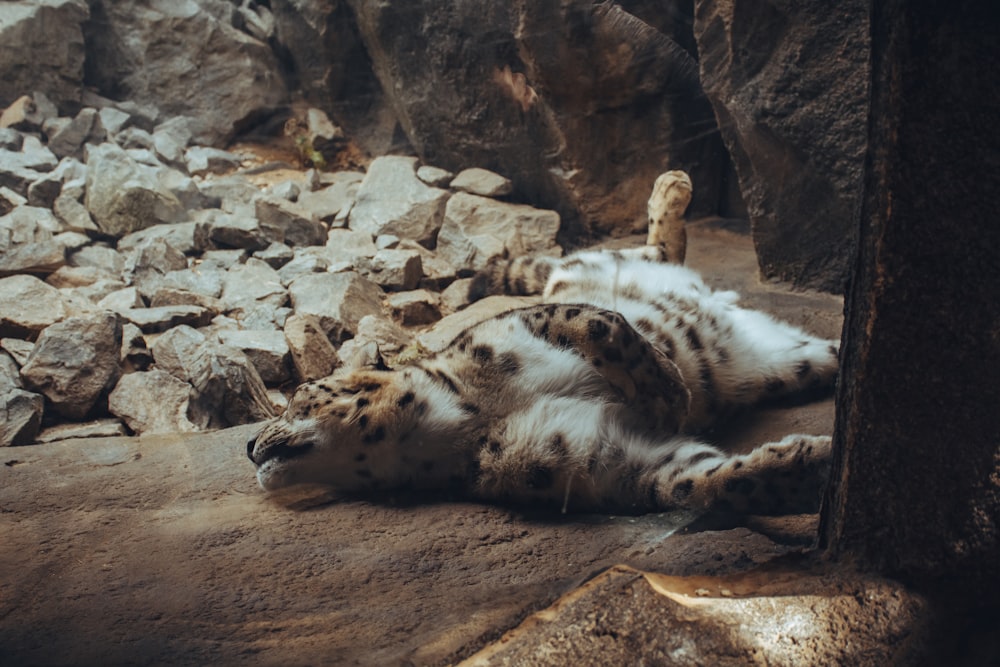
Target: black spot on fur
509, 363
446, 380
773, 386
363, 422
375, 436
741, 485
558, 287
803, 369
699, 457
360, 457
693, 338
362, 402
471, 408
598, 330
562, 341
572, 312
539, 477
494, 446
709, 473
405, 399
682, 490
612, 354
557, 445
482, 353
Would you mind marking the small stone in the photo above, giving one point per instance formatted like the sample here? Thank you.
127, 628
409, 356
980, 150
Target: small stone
18, 349
152, 402
253, 281
28, 305
99, 428
276, 255
174, 350
267, 351
435, 176
186, 237
73, 214
389, 335
312, 354
349, 245
169, 296
10, 374
122, 300
229, 389
393, 270
415, 307
288, 190
203, 160
171, 138
80, 276
386, 241
69, 140
392, 200
113, 120
289, 223
20, 417
455, 297
229, 230
338, 300
100, 257
152, 320
135, 354
327, 203
482, 182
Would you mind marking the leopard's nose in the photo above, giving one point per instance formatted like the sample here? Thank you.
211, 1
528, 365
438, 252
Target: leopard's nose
251, 443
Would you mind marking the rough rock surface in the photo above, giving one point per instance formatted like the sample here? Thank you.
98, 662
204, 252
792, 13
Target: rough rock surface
790, 87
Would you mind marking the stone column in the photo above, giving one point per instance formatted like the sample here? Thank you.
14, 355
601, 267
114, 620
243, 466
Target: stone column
916, 479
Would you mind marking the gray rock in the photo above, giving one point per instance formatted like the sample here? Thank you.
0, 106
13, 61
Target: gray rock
415, 308
253, 281
101, 257
152, 320
152, 402
187, 237
286, 222
75, 362
78, 276
42, 257
42, 48
259, 316
10, 139
147, 264
20, 417
123, 300
312, 354
456, 295
349, 245
171, 138
85, 127
435, 176
229, 389
338, 300
99, 428
327, 203
438, 272
122, 197
307, 260
96, 290
233, 192
289, 190
73, 214
9, 200
221, 260
482, 182
204, 279
18, 349
392, 200
18, 170
28, 305
202, 160
393, 270
186, 190
267, 351
148, 52
389, 335
230, 230
477, 229
276, 255
174, 350
113, 120
169, 296
10, 374
386, 241
135, 137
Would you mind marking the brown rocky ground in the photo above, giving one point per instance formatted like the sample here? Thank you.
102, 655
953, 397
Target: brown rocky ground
162, 550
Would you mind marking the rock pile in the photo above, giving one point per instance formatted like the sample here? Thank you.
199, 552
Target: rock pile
148, 284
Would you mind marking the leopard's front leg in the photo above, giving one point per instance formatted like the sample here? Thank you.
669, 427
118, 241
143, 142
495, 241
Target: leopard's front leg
644, 378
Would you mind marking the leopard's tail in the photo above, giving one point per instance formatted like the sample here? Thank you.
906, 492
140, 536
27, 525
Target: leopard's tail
521, 276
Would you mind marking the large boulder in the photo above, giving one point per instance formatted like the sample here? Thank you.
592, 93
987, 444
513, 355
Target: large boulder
123, 197
75, 362
580, 104
789, 85
183, 58
42, 48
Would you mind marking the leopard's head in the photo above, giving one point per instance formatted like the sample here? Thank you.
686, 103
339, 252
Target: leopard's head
334, 432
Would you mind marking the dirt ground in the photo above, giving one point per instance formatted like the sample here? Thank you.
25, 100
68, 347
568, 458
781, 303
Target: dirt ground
163, 550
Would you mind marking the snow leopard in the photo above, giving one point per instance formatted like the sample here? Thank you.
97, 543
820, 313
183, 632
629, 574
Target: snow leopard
594, 400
